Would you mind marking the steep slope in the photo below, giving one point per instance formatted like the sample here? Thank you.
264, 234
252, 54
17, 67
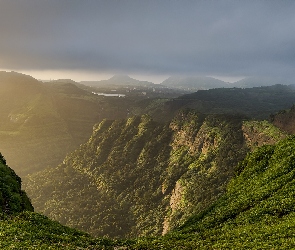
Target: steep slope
21, 228
140, 177
12, 198
256, 212
285, 120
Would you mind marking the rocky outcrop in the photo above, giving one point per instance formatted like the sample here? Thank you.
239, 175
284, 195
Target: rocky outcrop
285, 120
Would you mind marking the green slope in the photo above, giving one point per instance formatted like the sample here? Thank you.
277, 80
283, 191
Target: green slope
42, 122
29, 230
139, 177
256, 212
21, 228
12, 198
258, 102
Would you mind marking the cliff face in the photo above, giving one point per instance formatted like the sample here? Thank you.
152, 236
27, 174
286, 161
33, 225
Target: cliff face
210, 146
139, 177
285, 120
259, 133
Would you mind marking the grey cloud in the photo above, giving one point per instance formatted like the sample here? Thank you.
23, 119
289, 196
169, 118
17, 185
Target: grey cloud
164, 37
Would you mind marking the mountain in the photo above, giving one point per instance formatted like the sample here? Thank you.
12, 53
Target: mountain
194, 83
258, 102
205, 181
12, 198
42, 122
139, 177
256, 211
250, 82
21, 228
119, 80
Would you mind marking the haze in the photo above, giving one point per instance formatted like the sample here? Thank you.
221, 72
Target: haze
92, 40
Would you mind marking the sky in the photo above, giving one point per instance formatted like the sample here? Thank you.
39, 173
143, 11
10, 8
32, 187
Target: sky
150, 40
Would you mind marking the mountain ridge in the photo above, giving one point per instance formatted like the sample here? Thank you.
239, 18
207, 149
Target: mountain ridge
145, 176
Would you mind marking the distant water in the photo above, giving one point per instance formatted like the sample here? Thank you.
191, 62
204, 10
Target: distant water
104, 94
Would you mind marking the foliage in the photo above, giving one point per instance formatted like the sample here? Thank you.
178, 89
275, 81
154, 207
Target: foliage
29, 230
138, 177
256, 212
255, 103
42, 122
12, 198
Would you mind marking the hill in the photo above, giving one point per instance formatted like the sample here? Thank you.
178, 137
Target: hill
139, 177
250, 82
12, 198
256, 212
258, 102
21, 228
42, 122
194, 83
119, 80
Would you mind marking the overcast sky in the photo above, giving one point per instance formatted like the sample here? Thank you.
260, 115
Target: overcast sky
88, 39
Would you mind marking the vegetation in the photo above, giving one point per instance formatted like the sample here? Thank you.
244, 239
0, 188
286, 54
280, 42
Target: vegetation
187, 173
42, 122
29, 230
258, 103
256, 212
21, 228
12, 198
147, 186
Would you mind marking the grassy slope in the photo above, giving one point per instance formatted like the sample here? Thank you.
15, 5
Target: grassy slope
256, 212
29, 230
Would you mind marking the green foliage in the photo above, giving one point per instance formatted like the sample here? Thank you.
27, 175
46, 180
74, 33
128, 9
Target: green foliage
138, 177
42, 122
12, 198
256, 212
29, 230
111, 183
211, 165
255, 103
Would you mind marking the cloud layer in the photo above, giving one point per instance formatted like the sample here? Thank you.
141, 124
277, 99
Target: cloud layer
230, 38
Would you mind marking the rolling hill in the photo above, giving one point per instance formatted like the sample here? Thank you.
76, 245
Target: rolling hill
42, 122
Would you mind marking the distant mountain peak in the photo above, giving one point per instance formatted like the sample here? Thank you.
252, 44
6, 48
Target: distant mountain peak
194, 82
121, 78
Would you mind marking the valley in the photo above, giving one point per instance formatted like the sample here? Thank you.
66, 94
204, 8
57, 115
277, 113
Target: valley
146, 170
